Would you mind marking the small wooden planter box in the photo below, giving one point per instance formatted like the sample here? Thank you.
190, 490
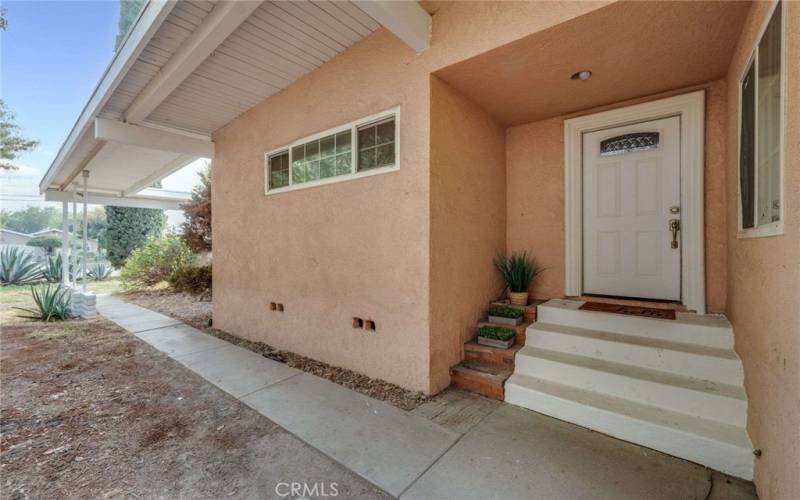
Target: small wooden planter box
502, 320
500, 344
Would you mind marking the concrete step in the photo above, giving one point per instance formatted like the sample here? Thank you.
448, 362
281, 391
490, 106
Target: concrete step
687, 328
482, 379
716, 445
703, 398
475, 353
698, 361
521, 330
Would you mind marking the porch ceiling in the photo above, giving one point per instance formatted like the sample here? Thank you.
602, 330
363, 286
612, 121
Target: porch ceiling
632, 48
187, 68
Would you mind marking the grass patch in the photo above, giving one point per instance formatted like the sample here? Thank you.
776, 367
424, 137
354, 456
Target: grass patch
505, 312
496, 333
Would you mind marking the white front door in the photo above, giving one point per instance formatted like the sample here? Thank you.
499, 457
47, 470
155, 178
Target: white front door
631, 192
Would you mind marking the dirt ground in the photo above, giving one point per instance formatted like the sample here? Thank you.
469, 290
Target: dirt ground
90, 411
196, 312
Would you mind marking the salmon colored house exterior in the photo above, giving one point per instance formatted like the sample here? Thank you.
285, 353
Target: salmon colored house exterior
412, 249
483, 112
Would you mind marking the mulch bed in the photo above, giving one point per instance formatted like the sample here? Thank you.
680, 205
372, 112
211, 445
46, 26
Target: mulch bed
196, 311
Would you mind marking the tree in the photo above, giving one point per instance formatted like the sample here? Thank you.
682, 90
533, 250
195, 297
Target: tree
128, 12
31, 219
11, 143
129, 228
49, 243
197, 226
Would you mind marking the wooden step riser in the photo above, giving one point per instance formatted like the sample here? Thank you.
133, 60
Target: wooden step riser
703, 404
670, 330
498, 358
477, 383
720, 456
724, 370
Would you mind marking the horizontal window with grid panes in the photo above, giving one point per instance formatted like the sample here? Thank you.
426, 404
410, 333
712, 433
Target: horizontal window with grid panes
361, 148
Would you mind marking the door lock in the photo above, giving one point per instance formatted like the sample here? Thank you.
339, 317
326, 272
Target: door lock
674, 227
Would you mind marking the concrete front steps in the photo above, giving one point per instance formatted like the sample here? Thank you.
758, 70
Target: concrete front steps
672, 385
485, 369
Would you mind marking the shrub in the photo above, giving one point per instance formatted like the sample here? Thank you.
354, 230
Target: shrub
18, 267
155, 262
505, 312
52, 303
99, 271
130, 228
518, 271
191, 279
49, 243
197, 214
497, 333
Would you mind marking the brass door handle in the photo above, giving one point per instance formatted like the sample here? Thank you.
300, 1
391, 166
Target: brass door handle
674, 227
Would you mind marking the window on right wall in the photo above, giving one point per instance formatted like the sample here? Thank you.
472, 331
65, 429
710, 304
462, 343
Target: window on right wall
761, 134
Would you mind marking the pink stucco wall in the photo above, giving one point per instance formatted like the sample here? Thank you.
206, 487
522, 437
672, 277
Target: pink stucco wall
468, 222
764, 282
535, 199
357, 248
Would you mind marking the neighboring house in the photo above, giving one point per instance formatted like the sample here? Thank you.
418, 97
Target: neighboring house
386, 152
14, 238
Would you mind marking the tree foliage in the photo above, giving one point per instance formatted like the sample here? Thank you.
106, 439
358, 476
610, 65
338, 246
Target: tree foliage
197, 224
11, 143
129, 228
128, 12
31, 219
47, 242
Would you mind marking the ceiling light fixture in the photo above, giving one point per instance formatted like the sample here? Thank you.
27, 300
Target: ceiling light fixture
582, 75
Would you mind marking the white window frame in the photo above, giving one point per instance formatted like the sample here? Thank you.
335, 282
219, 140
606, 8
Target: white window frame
771, 228
354, 173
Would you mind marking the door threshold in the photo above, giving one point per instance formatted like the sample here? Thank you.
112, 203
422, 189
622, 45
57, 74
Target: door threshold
655, 304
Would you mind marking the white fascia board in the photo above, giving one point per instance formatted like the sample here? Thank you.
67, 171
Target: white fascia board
148, 200
214, 29
150, 19
406, 19
146, 137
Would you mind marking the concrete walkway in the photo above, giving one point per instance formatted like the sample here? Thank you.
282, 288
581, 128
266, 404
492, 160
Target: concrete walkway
507, 453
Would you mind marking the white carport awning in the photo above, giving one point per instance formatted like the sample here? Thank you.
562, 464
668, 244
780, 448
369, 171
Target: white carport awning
189, 67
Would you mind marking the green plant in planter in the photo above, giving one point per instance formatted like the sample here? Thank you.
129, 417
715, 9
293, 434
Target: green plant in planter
518, 271
505, 312
496, 333
52, 303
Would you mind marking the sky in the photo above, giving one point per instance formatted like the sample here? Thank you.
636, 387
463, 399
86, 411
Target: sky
52, 55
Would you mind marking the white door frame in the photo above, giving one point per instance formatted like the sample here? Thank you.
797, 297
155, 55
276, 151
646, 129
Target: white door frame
691, 108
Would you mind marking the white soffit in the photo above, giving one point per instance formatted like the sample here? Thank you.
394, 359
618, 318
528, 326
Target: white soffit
189, 67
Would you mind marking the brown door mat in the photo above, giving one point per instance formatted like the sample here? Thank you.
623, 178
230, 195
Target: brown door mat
648, 312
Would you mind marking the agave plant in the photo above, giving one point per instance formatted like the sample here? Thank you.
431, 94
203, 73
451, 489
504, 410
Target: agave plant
18, 267
99, 271
53, 266
52, 303
518, 271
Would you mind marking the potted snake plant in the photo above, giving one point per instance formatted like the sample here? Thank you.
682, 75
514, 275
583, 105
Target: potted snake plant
518, 271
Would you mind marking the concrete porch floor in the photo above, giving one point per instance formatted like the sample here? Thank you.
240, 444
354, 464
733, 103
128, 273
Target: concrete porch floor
458, 445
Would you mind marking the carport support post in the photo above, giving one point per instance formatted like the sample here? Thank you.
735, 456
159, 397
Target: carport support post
85, 226
73, 251
65, 243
